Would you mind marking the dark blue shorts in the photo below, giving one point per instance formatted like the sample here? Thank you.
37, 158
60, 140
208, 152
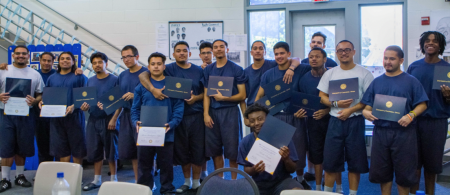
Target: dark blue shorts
285, 184
223, 138
16, 135
394, 150
432, 134
317, 132
67, 135
299, 139
189, 145
101, 142
345, 141
127, 136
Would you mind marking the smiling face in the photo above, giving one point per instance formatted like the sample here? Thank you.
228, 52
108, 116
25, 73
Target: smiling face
21, 56
431, 45
281, 55
258, 51
256, 120
345, 52
66, 61
46, 62
220, 49
181, 54
99, 65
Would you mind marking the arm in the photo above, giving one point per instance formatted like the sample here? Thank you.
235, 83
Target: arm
255, 170
177, 115
243, 106
112, 122
367, 113
144, 77
288, 163
295, 62
136, 107
325, 100
446, 93
3, 66
194, 98
260, 94
235, 98
206, 102
345, 113
31, 101
419, 109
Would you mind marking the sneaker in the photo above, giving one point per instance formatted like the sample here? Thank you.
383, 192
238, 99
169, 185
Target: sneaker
4, 185
22, 181
182, 189
309, 176
305, 185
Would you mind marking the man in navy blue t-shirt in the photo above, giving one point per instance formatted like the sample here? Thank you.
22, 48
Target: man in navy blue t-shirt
432, 125
394, 147
318, 40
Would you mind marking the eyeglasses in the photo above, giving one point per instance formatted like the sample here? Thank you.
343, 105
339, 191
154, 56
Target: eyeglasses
346, 50
206, 53
23, 53
127, 57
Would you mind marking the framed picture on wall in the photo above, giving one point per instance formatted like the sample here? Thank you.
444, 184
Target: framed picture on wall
56, 54
35, 56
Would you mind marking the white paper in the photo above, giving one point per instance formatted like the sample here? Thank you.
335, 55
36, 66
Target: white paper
230, 39
241, 42
262, 151
162, 38
53, 111
17, 106
151, 136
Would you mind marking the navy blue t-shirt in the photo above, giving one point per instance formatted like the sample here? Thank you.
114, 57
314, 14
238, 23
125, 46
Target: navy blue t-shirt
46, 75
265, 180
402, 85
103, 86
254, 79
424, 72
308, 84
196, 74
128, 82
329, 64
69, 80
229, 70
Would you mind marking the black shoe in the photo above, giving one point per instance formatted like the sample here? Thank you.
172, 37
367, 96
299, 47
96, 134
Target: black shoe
305, 185
90, 186
182, 189
22, 181
4, 185
309, 176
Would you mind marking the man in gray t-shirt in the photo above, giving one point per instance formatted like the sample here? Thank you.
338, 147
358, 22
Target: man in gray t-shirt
345, 136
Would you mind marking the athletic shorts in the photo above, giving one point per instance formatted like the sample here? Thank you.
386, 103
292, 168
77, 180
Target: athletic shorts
189, 145
16, 135
127, 136
432, 135
317, 132
101, 142
67, 135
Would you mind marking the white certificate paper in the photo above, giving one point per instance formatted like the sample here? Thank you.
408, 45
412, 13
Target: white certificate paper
17, 106
53, 111
262, 151
151, 136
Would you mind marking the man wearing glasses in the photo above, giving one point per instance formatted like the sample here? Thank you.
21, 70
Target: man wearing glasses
345, 135
206, 53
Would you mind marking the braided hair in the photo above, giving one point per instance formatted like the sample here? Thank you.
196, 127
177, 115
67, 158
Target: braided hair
439, 37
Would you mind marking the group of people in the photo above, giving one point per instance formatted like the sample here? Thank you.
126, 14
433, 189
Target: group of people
204, 127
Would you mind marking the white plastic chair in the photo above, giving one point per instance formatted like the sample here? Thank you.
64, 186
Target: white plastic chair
305, 192
116, 188
46, 177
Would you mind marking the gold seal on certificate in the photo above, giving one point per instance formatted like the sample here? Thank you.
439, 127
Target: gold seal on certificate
53, 111
343, 86
178, 85
84, 94
277, 87
111, 98
151, 136
220, 84
16, 106
267, 103
388, 104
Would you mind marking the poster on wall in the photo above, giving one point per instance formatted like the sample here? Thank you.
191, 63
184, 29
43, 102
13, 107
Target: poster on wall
440, 21
194, 33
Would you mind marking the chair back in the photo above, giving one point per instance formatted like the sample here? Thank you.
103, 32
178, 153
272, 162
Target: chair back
305, 192
219, 186
46, 177
120, 188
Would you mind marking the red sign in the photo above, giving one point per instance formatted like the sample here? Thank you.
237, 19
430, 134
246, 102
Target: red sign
426, 20
319, 0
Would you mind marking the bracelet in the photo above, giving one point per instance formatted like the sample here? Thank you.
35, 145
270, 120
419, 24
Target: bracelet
291, 69
415, 115
409, 116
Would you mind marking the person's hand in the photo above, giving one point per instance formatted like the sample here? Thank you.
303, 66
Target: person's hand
284, 152
40, 104
167, 127
112, 124
100, 105
344, 103
30, 100
218, 97
70, 109
317, 115
78, 71
404, 121
84, 106
288, 76
368, 115
190, 101
4, 97
260, 167
3, 66
344, 114
246, 122
445, 91
137, 126
128, 96
300, 113
204, 65
158, 93
208, 121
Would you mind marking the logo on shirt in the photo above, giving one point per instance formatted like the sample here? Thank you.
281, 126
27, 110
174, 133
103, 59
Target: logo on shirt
84, 94
305, 101
178, 85
343, 86
220, 84
389, 104
111, 98
267, 103
448, 75
277, 87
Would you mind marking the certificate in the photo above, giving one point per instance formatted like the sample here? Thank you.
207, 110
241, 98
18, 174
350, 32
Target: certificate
343, 89
262, 151
151, 136
441, 76
278, 91
389, 108
223, 84
17, 106
53, 111
178, 87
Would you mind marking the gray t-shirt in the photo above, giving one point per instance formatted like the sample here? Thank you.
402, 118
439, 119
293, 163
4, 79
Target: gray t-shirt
364, 76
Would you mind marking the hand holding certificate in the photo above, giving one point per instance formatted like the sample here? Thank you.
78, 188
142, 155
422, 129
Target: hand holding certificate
54, 107
17, 106
18, 90
152, 127
343, 89
151, 136
262, 151
222, 84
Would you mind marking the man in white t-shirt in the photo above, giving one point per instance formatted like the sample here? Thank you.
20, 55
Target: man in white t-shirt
17, 132
345, 136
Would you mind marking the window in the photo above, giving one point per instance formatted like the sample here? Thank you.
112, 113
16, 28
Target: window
381, 26
269, 27
329, 31
263, 2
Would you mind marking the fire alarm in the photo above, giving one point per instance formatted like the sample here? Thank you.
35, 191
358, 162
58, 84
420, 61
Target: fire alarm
426, 20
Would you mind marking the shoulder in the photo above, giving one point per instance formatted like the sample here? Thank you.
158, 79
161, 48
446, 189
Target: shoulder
234, 65
444, 63
196, 67
247, 140
417, 63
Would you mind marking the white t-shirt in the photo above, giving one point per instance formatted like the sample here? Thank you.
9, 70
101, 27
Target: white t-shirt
37, 85
365, 77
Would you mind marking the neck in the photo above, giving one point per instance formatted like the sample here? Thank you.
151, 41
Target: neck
19, 66
255, 134
221, 62
318, 72
45, 70
158, 77
257, 64
65, 71
284, 66
432, 58
102, 75
135, 68
347, 66
184, 65
393, 74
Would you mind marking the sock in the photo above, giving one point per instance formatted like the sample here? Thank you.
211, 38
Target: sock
411, 194
5, 172
328, 189
187, 181
352, 192
204, 174
114, 178
318, 187
311, 170
195, 183
19, 170
97, 180
338, 187
299, 178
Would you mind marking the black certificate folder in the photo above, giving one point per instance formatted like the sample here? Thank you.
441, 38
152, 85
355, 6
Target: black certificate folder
85, 94
223, 84
112, 100
178, 87
309, 103
276, 132
273, 108
55, 96
343, 89
153, 116
389, 108
277, 91
441, 76
18, 87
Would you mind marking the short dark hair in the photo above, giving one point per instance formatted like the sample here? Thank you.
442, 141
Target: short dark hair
281, 44
99, 55
73, 59
226, 44
157, 55
133, 49
205, 45
439, 37
258, 41
47, 53
324, 53
397, 49
321, 35
181, 43
346, 41
21, 46
255, 108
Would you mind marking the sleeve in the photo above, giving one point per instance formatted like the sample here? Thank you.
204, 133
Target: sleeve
409, 69
419, 94
368, 78
240, 77
242, 154
40, 85
264, 79
137, 103
168, 71
305, 61
272, 63
324, 82
369, 96
82, 81
292, 152
302, 70
331, 63
177, 113
205, 78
